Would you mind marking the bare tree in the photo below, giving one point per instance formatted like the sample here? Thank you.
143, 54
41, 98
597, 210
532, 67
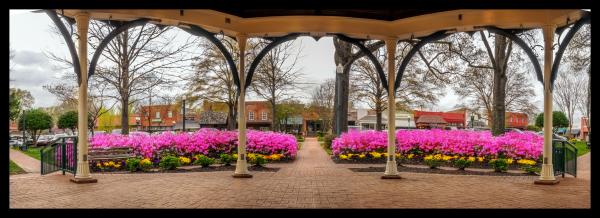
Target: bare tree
212, 79
322, 100
416, 88
579, 57
137, 59
567, 93
277, 77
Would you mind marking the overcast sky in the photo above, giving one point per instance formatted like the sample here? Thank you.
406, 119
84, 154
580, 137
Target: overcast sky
30, 37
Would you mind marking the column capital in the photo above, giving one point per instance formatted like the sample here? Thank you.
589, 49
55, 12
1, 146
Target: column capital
82, 15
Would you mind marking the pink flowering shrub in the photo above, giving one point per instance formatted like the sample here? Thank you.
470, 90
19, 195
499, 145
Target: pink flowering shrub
527, 145
204, 141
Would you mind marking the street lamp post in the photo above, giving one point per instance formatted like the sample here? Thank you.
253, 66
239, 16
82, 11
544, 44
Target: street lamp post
184, 113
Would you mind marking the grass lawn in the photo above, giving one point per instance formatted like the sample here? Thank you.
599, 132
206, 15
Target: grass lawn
13, 168
33, 152
581, 148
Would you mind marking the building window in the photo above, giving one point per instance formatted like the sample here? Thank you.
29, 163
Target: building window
170, 114
263, 115
250, 115
157, 115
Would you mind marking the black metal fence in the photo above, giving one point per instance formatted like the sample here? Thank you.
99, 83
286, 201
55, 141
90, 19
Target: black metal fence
60, 155
564, 158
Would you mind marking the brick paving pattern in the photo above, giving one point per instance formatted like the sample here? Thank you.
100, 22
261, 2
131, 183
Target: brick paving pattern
311, 181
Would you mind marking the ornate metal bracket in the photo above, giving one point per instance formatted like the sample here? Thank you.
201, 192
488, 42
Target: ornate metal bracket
369, 55
274, 43
120, 27
199, 31
63, 30
424, 40
586, 19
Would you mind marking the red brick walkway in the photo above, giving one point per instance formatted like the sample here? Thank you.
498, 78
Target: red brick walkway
29, 164
312, 181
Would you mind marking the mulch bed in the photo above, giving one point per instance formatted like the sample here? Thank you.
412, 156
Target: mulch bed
440, 171
187, 169
382, 160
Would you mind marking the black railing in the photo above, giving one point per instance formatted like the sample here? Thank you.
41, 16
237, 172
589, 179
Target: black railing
60, 154
564, 157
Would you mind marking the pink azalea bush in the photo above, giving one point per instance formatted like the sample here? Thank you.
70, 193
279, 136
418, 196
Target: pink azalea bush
527, 145
204, 141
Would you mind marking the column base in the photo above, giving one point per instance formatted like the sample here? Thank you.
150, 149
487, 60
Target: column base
546, 182
242, 175
83, 180
391, 177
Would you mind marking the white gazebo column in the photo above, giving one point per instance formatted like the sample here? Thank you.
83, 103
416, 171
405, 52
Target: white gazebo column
547, 174
83, 168
391, 169
241, 167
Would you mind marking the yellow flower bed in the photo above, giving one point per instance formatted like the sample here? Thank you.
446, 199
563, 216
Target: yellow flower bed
343, 157
527, 162
433, 157
184, 160
375, 155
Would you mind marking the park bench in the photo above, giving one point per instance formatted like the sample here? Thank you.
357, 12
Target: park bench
95, 154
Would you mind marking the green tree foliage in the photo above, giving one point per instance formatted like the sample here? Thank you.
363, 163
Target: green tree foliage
14, 106
559, 120
34, 121
68, 120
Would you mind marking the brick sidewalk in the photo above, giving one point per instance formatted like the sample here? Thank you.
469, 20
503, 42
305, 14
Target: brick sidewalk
311, 181
29, 164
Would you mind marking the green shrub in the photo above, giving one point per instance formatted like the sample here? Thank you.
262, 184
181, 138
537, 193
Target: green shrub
169, 162
530, 169
433, 161
145, 164
462, 163
204, 161
226, 159
500, 165
328, 139
299, 138
132, 164
320, 134
534, 128
257, 160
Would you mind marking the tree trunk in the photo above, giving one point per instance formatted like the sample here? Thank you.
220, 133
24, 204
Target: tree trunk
499, 87
231, 122
125, 87
274, 125
343, 53
378, 121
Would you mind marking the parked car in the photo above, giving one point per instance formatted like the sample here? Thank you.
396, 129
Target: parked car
139, 133
514, 130
554, 136
43, 140
15, 142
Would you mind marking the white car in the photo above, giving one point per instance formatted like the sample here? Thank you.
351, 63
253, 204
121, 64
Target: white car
15, 142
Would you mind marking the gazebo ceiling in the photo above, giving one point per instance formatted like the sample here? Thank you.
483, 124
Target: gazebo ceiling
375, 14
364, 24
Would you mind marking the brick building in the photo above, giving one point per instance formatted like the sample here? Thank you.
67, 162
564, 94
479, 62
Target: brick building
163, 117
516, 120
258, 115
